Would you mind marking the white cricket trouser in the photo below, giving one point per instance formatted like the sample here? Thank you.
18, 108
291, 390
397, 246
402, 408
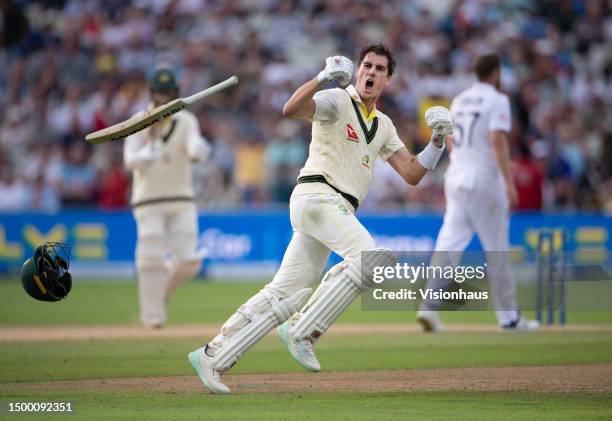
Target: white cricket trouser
480, 206
322, 221
162, 229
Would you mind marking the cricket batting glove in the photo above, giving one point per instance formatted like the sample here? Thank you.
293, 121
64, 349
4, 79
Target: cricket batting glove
337, 68
439, 120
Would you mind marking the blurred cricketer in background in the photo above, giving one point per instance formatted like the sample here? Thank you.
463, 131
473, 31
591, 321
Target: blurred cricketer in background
479, 191
161, 158
348, 135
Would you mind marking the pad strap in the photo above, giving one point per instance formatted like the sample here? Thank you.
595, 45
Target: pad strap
341, 285
258, 327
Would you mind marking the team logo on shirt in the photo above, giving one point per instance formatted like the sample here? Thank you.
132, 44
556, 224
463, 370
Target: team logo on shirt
351, 134
365, 161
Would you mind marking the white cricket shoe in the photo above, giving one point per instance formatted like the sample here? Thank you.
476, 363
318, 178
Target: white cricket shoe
430, 321
302, 351
153, 326
521, 325
211, 378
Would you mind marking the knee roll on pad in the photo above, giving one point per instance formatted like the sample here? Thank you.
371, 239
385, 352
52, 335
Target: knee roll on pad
150, 253
150, 264
186, 266
341, 285
258, 325
378, 257
180, 271
258, 304
185, 270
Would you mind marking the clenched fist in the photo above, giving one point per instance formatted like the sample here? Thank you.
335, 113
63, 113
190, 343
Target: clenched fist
439, 120
337, 68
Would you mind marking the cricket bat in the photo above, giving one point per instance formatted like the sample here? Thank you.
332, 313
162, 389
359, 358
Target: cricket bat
140, 122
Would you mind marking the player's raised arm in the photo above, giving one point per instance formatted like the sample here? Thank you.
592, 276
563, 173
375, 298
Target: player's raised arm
412, 168
301, 104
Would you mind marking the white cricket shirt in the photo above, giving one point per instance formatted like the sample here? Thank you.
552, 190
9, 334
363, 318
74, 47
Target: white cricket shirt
169, 177
476, 112
345, 142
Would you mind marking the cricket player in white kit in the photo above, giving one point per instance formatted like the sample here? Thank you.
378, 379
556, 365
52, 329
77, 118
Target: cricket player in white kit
348, 135
161, 158
479, 193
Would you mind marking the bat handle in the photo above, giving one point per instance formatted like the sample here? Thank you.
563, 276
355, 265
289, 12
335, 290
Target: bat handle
212, 90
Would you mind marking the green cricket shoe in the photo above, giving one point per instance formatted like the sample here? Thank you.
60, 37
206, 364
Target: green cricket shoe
201, 363
302, 351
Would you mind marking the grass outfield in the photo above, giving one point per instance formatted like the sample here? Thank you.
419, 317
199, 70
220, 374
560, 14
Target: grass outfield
340, 406
23, 365
92, 303
46, 361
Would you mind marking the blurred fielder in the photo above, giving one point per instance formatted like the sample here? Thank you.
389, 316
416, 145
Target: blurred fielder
479, 193
348, 135
161, 158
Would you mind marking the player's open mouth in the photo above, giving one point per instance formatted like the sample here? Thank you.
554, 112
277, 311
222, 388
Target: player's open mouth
369, 84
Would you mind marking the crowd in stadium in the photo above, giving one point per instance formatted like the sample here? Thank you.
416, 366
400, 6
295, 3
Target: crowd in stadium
72, 67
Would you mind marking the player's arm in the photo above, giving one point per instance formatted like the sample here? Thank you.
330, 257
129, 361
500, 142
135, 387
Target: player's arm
301, 105
407, 166
198, 149
413, 168
501, 150
138, 151
499, 127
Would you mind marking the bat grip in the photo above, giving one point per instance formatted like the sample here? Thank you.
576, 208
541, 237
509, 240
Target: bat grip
212, 90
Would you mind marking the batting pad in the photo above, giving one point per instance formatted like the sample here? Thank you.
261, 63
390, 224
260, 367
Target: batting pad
181, 270
257, 328
340, 286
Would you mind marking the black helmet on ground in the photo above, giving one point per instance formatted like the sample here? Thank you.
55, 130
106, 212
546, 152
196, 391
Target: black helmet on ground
45, 276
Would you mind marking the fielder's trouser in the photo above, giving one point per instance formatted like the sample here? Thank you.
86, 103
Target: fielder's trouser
322, 222
482, 209
163, 228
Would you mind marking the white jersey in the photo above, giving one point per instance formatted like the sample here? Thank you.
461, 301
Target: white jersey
169, 177
345, 142
476, 112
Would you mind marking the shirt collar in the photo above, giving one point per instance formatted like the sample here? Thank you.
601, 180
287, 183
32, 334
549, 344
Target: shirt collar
352, 91
484, 85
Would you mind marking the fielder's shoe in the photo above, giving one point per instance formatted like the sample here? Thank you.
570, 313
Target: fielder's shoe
211, 378
521, 325
430, 321
302, 351
154, 326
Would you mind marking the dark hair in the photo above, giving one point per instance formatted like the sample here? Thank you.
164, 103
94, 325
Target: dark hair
380, 50
486, 65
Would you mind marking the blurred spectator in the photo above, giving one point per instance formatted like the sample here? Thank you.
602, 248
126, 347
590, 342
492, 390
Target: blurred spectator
249, 169
113, 186
14, 132
40, 196
12, 190
78, 177
72, 116
528, 180
73, 66
284, 156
